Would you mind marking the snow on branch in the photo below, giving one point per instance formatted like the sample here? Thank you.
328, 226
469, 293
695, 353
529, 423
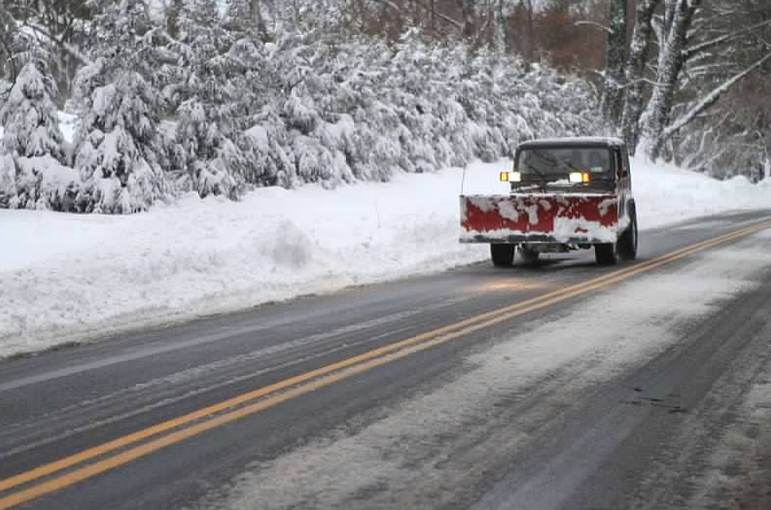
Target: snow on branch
690, 52
587, 23
67, 47
711, 98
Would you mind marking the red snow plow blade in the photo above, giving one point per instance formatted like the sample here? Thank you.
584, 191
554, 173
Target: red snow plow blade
535, 218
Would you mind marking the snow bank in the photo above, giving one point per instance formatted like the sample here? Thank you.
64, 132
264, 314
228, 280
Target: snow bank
66, 277
667, 194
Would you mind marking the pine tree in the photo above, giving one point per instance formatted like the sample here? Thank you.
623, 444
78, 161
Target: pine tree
118, 147
207, 134
265, 74
29, 115
32, 175
8, 197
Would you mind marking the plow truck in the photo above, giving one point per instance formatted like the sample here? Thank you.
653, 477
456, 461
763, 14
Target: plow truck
565, 194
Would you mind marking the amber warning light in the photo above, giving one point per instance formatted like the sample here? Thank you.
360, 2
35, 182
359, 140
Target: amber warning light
510, 177
579, 177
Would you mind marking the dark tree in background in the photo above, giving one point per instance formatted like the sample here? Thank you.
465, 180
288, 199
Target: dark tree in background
672, 42
634, 74
615, 61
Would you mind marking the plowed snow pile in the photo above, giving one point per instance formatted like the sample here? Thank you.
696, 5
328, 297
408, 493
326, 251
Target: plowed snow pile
66, 277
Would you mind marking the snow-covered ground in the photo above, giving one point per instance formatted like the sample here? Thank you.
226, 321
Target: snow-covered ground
67, 277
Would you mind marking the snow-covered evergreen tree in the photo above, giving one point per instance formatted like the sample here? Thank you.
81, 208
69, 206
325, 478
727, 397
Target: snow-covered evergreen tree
8, 197
364, 110
265, 141
118, 146
29, 115
5, 90
242, 106
207, 133
31, 171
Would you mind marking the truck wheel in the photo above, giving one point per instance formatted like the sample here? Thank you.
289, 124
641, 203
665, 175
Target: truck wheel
502, 254
606, 254
528, 255
628, 241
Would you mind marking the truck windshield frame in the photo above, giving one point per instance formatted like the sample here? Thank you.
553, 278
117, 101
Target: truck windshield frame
551, 166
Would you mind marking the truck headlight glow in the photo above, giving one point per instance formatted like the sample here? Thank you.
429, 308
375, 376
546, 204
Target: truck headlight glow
510, 177
578, 177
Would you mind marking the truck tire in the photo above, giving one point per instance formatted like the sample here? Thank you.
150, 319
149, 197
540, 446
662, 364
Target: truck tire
627, 243
502, 254
528, 255
606, 254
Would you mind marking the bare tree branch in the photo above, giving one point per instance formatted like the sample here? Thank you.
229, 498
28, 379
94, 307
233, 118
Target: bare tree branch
439, 15
711, 99
593, 25
690, 52
73, 51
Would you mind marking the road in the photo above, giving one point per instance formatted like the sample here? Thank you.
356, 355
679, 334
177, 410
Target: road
557, 386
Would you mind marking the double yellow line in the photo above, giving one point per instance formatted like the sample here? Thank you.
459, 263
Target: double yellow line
94, 461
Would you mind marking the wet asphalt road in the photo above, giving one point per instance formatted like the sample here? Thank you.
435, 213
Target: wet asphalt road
597, 425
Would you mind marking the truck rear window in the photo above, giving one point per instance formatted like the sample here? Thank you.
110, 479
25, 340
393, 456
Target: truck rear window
558, 162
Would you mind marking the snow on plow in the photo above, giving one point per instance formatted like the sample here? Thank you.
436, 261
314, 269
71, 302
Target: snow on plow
535, 218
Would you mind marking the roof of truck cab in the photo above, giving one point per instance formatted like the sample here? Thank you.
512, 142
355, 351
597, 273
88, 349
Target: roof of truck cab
585, 141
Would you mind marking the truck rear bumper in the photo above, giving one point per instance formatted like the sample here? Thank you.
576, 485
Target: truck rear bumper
534, 239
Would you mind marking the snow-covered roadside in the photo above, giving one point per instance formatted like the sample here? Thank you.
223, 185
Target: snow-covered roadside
66, 277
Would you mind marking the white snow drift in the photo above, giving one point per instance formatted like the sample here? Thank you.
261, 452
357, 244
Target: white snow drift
66, 277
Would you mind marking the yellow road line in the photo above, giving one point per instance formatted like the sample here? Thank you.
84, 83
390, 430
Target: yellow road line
305, 383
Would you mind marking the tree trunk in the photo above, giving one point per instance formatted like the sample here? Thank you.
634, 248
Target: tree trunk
501, 39
469, 19
657, 113
615, 59
172, 17
433, 18
530, 55
255, 14
639, 51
